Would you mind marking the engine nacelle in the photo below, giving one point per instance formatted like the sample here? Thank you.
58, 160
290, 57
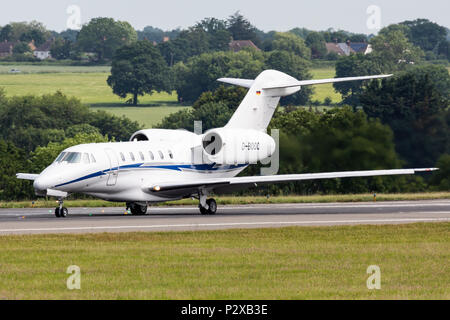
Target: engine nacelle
236, 146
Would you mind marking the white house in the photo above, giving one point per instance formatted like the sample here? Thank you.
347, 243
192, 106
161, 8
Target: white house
43, 51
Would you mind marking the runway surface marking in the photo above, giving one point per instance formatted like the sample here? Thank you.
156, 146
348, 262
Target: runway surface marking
262, 223
115, 219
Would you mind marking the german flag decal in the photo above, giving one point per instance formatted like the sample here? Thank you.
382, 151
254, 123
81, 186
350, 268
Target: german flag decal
258, 93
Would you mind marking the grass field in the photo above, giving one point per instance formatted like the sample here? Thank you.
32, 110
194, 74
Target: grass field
278, 263
325, 90
89, 85
223, 200
146, 116
90, 88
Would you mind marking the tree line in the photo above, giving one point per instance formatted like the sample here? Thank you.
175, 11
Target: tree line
35, 129
102, 36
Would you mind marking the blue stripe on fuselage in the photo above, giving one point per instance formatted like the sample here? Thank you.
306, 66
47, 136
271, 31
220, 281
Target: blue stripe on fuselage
198, 167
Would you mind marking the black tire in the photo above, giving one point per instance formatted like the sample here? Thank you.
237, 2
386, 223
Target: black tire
212, 206
63, 212
57, 214
138, 210
202, 209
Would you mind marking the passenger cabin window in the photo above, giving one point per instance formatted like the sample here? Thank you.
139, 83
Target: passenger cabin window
92, 158
151, 155
170, 154
161, 154
122, 156
86, 158
132, 156
141, 155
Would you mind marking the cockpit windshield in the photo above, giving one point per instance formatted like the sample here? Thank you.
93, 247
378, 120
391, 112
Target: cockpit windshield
61, 155
75, 157
71, 157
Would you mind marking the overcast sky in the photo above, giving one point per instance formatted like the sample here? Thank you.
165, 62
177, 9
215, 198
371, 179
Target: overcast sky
280, 15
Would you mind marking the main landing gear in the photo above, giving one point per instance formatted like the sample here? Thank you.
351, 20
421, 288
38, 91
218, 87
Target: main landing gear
137, 209
60, 211
207, 206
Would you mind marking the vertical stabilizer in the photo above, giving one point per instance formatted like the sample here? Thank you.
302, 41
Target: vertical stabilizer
258, 106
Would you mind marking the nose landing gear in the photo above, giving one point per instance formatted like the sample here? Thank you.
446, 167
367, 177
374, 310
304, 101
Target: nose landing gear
61, 212
137, 209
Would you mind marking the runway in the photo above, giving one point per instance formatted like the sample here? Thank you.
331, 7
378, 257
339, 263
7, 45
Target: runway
87, 220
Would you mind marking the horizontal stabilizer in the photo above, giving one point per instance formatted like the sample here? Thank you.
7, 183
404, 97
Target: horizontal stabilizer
246, 83
27, 176
321, 81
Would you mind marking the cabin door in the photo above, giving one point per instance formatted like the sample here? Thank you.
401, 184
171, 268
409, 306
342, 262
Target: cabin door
113, 167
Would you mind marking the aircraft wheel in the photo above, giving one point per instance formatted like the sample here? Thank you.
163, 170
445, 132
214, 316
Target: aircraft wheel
137, 209
57, 214
212, 206
63, 212
202, 209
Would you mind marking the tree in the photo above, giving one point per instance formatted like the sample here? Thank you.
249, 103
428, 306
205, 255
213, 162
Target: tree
69, 35
290, 42
200, 73
6, 33
440, 179
61, 49
296, 67
316, 42
241, 29
21, 48
27, 32
156, 34
36, 35
104, 36
192, 42
218, 35
352, 66
425, 34
391, 52
395, 50
301, 32
138, 69
32, 121
336, 140
413, 106
12, 161
213, 108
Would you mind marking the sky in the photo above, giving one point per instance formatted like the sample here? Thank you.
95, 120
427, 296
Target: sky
359, 16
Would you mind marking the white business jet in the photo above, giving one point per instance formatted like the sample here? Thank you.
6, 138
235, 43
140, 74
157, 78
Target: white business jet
160, 165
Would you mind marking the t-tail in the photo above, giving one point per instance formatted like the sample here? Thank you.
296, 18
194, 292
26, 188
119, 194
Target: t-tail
257, 108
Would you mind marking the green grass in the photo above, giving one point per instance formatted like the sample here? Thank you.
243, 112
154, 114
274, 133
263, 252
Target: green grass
275, 263
89, 85
146, 116
325, 90
223, 200
90, 88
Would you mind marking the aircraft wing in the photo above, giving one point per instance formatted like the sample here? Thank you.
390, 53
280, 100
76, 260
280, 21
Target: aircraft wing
27, 176
222, 184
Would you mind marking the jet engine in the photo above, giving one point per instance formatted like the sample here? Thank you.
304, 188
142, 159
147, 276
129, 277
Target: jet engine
236, 146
